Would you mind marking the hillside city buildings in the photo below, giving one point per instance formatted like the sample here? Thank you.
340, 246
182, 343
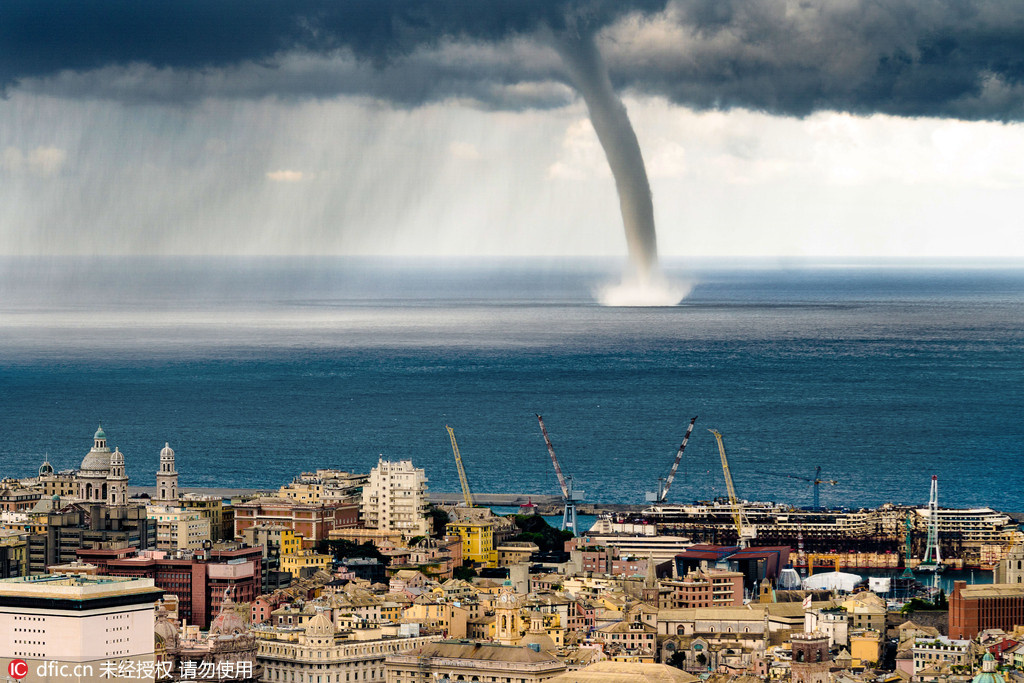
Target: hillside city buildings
341, 577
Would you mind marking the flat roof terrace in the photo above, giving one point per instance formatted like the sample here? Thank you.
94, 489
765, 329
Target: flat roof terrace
76, 588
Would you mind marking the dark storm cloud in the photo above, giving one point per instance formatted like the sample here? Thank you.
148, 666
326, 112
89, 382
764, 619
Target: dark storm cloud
404, 51
41, 37
906, 57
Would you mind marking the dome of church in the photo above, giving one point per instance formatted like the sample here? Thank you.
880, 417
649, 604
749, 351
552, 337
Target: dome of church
165, 630
320, 626
542, 640
229, 622
96, 461
167, 451
989, 671
538, 635
46, 469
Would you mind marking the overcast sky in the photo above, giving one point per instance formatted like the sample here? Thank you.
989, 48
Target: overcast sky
849, 128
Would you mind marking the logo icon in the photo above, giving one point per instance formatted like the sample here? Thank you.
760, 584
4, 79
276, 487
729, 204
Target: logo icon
18, 668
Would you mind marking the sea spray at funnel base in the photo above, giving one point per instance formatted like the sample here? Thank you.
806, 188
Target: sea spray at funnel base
654, 290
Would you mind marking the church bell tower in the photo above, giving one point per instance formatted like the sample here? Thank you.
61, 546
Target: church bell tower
167, 478
117, 482
507, 618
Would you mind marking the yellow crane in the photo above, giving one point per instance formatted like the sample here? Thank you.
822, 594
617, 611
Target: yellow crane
466, 495
744, 531
821, 556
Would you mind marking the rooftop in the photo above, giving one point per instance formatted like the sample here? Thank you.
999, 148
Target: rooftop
74, 587
625, 672
64, 580
992, 590
466, 649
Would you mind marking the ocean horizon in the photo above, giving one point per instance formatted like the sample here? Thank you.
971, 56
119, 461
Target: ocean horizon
258, 369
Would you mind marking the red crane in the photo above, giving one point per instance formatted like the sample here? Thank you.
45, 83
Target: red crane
665, 484
569, 496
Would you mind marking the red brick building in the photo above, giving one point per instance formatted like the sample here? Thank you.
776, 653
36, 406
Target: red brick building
606, 559
973, 609
704, 588
314, 522
200, 581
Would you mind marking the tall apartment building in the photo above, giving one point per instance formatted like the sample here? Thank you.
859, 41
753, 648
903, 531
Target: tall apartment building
395, 498
76, 626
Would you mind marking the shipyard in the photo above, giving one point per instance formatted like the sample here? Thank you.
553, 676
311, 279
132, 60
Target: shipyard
875, 538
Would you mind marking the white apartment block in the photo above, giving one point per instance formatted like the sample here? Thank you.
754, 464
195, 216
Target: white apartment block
77, 625
395, 498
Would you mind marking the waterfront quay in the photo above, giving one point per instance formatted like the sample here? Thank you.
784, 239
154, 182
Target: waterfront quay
873, 539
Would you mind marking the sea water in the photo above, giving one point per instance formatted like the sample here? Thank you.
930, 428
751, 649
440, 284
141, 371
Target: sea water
257, 370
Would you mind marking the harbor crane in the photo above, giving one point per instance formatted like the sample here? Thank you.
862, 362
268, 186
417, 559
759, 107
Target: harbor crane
569, 496
909, 525
816, 480
467, 497
744, 531
932, 560
665, 484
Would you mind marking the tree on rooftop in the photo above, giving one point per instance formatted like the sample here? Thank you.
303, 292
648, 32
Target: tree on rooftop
439, 518
342, 549
535, 529
464, 573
